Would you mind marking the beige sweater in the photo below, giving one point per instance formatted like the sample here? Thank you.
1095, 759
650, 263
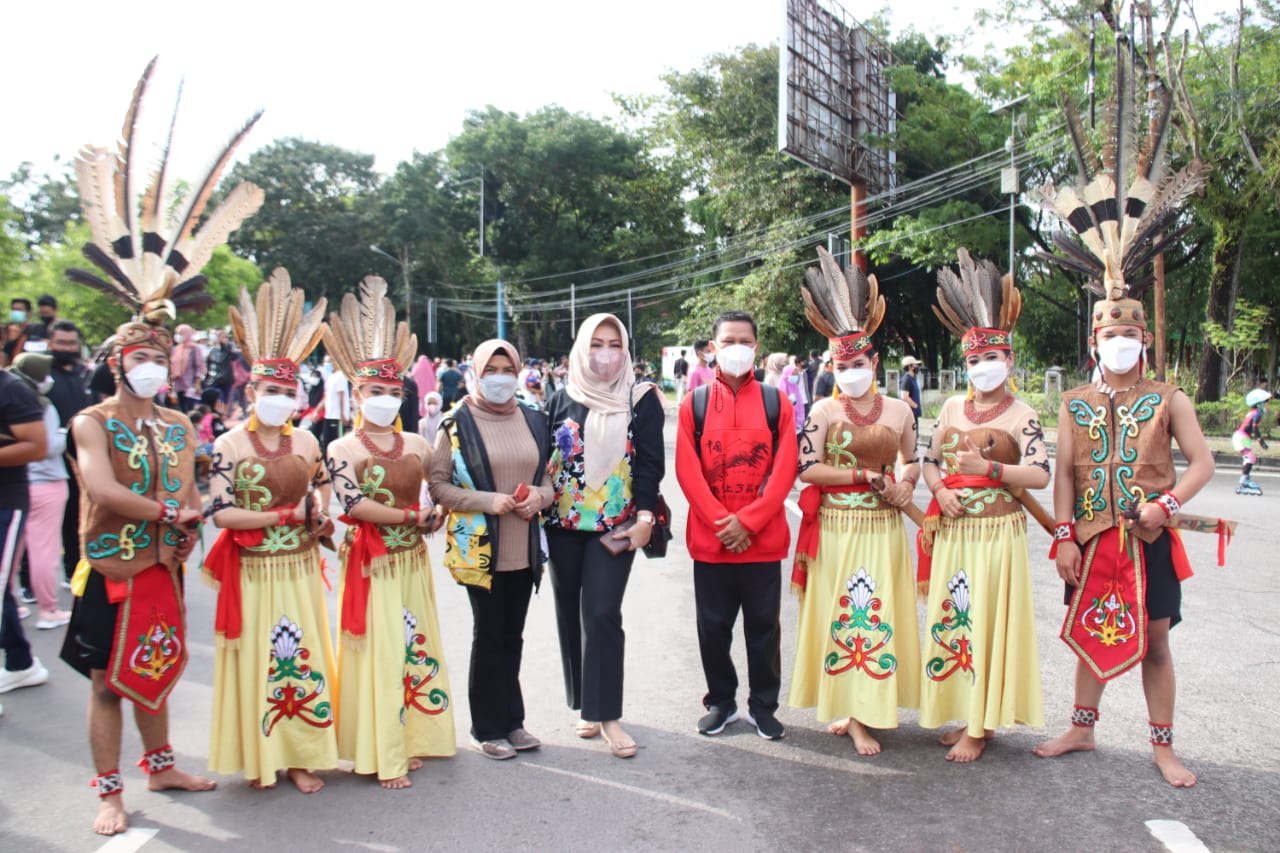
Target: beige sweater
513, 456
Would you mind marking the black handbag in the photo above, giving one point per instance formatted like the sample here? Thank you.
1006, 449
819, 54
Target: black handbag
661, 535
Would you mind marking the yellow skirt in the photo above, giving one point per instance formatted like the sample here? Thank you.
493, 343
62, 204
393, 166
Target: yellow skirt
394, 701
982, 665
273, 687
858, 640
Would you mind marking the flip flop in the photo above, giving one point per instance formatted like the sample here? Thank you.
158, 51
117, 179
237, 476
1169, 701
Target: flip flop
586, 730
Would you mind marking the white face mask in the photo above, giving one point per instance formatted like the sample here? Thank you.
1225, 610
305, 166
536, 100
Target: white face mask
736, 359
988, 375
44, 386
381, 411
855, 381
1119, 355
274, 409
498, 388
177, 339
708, 357
146, 379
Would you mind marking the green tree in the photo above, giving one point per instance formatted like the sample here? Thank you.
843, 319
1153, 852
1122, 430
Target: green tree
311, 223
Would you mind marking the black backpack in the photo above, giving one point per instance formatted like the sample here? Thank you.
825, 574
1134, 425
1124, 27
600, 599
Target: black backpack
772, 409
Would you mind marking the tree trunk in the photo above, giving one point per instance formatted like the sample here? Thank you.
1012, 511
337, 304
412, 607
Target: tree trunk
1227, 247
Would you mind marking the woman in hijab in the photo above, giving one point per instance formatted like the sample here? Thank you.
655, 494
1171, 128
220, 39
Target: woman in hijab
607, 459
487, 470
432, 414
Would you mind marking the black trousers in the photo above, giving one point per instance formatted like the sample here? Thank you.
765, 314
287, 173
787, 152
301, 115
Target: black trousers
720, 590
13, 640
497, 644
71, 528
589, 583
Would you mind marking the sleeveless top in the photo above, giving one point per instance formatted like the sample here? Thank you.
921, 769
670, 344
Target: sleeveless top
394, 483
155, 460
849, 446
266, 484
1122, 452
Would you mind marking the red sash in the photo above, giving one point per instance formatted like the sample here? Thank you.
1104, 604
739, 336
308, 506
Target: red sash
149, 652
924, 536
366, 545
223, 565
807, 539
1106, 624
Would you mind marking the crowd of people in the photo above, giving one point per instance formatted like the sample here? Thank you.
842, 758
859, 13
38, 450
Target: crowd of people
527, 465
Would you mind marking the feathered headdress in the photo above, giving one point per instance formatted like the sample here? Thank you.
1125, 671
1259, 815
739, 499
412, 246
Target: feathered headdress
273, 334
1124, 204
845, 306
148, 247
979, 305
364, 339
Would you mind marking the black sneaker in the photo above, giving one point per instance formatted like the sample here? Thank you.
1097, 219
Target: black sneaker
767, 725
716, 718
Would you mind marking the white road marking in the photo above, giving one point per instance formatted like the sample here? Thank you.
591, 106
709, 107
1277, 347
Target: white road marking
632, 789
1176, 837
128, 841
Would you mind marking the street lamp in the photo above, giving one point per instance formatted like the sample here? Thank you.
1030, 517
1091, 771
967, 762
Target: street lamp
502, 308
1009, 176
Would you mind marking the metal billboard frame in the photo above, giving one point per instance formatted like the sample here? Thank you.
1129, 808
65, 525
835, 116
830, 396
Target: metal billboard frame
832, 94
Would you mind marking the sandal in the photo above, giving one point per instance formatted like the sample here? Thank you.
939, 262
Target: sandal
586, 730
622, 748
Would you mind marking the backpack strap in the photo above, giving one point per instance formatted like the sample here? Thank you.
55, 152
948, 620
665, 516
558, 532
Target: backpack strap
772, 412
772, 409
699, 395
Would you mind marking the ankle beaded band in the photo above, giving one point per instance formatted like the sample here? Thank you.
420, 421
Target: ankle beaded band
1161, 734
108, 783
157, 760
1084, 718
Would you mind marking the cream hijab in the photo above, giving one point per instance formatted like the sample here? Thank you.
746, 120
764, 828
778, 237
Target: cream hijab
608, 401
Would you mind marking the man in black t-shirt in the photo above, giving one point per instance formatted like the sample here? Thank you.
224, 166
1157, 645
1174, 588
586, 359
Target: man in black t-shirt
22, 440
70, 394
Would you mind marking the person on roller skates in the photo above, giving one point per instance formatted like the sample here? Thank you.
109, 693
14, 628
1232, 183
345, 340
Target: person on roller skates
1249, 431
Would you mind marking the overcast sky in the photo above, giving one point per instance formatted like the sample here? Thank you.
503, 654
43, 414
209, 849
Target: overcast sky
381, 76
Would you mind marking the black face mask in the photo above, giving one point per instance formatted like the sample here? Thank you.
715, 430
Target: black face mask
64, 359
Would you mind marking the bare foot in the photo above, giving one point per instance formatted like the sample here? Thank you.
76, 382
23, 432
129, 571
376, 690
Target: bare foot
840, 728
415, 764
1075, 739
1172, 768
304, 780
618, 741
967, 749
260, 785
174, 779
952, 737
862, 739
111, 817
396, 783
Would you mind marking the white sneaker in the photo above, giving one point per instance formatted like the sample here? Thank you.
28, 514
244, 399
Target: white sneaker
54, 619
29, 677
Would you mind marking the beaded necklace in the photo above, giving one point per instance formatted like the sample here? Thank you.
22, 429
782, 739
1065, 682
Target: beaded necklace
397, 445
985, 416
284, 448
872, 415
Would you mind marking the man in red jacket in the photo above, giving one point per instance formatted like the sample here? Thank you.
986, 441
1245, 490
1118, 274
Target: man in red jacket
736, 474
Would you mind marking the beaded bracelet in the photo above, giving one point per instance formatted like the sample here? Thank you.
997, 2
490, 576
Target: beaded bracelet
1167, 502
168, 513
409, 516
283, 515
1065, 531
995, 470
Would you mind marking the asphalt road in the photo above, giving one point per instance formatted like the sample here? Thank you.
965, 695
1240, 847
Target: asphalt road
736, 791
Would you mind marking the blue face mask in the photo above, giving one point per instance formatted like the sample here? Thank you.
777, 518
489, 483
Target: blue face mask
16, 316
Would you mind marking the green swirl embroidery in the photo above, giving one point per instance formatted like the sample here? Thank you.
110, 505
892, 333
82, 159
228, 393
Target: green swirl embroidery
1096, 422
396, 536
371, 486
1127, 420
949, 453
277, 538
1092, 501
250, 493
126, 543
136, 448
975, 501
839, 453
